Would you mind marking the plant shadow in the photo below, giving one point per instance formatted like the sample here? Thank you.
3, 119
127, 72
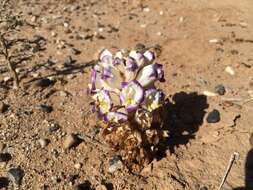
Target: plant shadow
183, 116
70, 69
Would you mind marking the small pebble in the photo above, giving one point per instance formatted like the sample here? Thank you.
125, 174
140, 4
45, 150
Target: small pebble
53, 34
7, 78
43, 142
84, 186
146, 9
63, 93
220, 89
71, 141
230, 70
4, 182
53, 127
115, 164
181, 19
243, 24
15, 175
5, 157
75, 51
45, 108
3, 107
213, 116
78, 166
45, 82
209, 94
214, 41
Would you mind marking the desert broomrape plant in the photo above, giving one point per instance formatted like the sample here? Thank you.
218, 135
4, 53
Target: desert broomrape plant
127, 101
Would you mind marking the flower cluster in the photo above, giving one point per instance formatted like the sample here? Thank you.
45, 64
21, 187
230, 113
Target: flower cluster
123, 85
124, 93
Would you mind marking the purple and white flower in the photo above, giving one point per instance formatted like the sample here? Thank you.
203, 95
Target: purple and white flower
149, 74
132, 95
122, 86
153, 99
104, 101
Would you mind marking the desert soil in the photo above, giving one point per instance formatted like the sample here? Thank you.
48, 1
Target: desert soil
198, 40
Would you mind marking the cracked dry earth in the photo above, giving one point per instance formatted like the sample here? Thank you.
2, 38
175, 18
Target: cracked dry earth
199, 41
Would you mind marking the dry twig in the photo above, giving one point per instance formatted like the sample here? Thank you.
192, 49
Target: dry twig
234, 157
5, 53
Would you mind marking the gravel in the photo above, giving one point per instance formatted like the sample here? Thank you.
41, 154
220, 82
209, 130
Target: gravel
213, 116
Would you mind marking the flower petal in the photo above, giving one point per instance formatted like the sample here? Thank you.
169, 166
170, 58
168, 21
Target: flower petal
132, 95
138, 57
153, 99
94, 86
149, 74
117, 117
111, 79
160, 72
104, 101
105, 53
149, 55
131, 69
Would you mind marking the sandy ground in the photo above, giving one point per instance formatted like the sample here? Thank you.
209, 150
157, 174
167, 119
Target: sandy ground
199, 39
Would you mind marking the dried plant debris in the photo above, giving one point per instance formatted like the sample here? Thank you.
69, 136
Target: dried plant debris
129, 104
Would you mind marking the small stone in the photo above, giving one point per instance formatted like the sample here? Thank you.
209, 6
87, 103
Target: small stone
75, 51
53, 127
71, 141
71, 76
143, 25
251, 140
84, 186
181, 19
5, 157
66, 25
45, 82
101, 187
63, 93
7, 78
115, 164
213, 116
243, 24
43, 142
209, 94
3, 107
15, 175
45, 108
55, 153
146, 9
78, 166
4, 182
220, 89
33, 19
230, 70
53, 34
214, 41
